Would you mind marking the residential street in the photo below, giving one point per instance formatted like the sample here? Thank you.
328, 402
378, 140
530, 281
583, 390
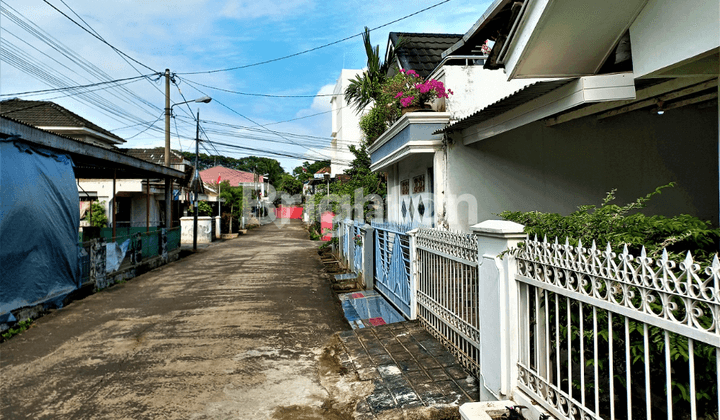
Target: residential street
236, 331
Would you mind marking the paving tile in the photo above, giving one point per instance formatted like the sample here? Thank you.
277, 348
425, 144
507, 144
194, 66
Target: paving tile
362, 407
470, 388
394, 347
406, 398
362, 362
407, 365
456, 372
375, 349
429, 393
438, 374
381, 400
389, 370
428, 362
418, 377
382, 359
446, 359
368, 374
451, 394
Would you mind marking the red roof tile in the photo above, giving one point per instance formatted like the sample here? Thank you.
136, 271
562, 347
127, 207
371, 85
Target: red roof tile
233, 176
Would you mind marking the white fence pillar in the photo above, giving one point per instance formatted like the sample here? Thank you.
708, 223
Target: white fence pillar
413, 273
368, 264
498, 307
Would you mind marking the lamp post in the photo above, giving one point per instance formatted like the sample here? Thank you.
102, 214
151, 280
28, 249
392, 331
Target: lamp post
204, 100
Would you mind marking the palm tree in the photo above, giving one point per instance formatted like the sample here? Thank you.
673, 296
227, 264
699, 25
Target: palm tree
366, 87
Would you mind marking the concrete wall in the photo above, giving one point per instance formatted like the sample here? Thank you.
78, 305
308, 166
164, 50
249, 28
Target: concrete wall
345, 125
667, 32
556, 169
475, 88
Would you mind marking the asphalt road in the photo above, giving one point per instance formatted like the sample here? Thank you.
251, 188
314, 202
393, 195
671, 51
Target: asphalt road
243, 329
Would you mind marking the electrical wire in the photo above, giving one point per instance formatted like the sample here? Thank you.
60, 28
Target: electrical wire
264, 95
78, 87
100, 38
314, 48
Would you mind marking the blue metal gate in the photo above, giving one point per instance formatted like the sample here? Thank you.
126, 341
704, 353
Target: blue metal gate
392, 264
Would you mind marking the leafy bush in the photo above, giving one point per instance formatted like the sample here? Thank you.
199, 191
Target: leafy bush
98, 217
620, 225
377, 120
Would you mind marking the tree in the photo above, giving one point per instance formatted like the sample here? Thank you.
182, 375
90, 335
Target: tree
366, 87
233, 198
307, 170
97, 214
289, 184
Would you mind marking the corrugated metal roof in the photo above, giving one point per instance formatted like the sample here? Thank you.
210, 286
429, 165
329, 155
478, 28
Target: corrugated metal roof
422, 52
519, 97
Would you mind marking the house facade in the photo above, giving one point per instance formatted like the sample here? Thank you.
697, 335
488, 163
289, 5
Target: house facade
345, 125
553, 117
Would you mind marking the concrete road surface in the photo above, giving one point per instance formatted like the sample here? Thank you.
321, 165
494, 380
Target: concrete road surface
241, 330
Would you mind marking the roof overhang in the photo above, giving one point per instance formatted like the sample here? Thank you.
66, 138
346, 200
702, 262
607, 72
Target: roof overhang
91, 162
83, 131
590, 89
410, 148
567, 38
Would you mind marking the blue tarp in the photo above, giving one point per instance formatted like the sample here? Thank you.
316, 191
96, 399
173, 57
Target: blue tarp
39, 219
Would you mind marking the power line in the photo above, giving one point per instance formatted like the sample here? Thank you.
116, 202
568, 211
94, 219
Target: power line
99, 38
265, 95
315, 48
60, 89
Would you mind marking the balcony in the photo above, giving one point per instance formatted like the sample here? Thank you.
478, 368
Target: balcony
410, 135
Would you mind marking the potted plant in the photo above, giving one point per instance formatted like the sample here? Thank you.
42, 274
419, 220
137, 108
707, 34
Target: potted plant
411, 93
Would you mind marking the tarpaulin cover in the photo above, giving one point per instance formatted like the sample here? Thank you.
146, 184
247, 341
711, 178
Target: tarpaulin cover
39, 222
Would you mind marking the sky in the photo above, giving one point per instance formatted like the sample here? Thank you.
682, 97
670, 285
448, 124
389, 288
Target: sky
198, 41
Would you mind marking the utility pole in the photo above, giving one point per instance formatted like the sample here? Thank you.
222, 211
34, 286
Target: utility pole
168, 181
197, 183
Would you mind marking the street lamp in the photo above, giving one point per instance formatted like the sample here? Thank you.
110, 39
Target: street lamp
168, 112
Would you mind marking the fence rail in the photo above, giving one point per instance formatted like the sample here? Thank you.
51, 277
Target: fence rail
448, 291
604, 335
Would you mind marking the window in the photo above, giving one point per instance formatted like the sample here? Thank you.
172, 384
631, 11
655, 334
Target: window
405, 187
419, 184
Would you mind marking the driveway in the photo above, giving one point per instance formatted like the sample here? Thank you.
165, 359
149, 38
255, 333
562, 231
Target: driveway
242, 329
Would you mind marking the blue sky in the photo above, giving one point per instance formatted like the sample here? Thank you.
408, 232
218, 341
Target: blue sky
196, 35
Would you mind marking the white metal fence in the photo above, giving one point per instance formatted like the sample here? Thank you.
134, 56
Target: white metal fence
447, 291
393, 274
617, 336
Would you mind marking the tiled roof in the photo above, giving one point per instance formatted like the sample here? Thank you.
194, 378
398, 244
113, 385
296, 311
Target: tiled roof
155, 155
48, 114
233, 176
422, 52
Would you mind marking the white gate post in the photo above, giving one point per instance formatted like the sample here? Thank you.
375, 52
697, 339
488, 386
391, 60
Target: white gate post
497, 303
368, 265
414, 275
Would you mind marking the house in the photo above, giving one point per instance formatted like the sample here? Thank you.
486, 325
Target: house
54, 118
132, 206
253, 181
345, 125
409, 152
562, 111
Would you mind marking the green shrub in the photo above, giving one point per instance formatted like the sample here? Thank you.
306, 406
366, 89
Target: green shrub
620, 225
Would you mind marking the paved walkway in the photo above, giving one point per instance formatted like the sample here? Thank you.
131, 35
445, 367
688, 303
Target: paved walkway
243, 329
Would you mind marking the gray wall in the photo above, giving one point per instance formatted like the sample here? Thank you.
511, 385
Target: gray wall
556, 169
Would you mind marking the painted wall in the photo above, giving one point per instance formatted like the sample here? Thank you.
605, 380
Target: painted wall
667, 32
345, 125
407, 169
475, 88
556, 169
